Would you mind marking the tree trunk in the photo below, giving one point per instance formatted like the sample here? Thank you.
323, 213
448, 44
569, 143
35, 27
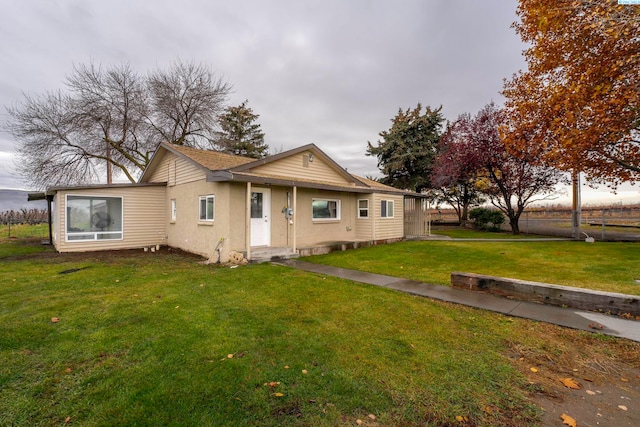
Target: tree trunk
109, 169
515, 227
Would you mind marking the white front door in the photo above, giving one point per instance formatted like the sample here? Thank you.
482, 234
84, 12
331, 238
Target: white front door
260, 217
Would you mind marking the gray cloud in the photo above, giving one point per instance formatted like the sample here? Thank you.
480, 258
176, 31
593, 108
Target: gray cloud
329, 72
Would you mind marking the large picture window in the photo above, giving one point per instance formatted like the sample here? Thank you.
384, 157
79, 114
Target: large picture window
326, 209
207, 208
386, 209
93, 218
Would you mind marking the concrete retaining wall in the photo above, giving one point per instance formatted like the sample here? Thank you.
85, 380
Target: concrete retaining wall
564, 296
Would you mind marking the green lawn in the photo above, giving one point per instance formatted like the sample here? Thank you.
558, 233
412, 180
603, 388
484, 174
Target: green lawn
160, 339
23, 231
606, 266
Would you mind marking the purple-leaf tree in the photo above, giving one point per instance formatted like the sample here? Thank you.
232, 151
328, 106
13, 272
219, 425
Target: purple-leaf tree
455, 172
512, 180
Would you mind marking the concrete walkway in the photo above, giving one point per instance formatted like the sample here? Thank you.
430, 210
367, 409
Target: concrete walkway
575, 319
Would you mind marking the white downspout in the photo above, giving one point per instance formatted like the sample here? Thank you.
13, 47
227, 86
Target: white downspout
247, 222
295, 211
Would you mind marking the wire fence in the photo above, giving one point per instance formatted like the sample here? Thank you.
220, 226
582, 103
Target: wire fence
602, 223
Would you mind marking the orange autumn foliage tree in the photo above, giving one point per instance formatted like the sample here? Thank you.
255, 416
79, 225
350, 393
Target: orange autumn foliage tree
578, 102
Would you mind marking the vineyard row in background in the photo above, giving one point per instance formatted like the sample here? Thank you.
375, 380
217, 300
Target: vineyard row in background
24, 216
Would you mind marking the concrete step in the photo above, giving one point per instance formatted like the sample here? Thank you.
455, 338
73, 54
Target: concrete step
259, 255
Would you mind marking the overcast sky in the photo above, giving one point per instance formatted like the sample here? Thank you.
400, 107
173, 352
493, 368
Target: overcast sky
333, 73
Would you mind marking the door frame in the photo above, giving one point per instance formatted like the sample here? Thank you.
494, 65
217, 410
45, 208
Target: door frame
266, 216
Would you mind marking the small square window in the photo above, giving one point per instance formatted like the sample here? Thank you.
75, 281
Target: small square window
207, 205
363, 208
386, 209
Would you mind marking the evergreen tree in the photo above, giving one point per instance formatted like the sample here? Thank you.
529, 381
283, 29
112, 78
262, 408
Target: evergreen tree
407, 150
241, 135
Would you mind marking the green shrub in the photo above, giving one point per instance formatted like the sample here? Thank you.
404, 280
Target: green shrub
486, 219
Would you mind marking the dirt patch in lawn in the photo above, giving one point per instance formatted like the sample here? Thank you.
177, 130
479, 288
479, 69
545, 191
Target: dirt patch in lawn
593, 379
102, 256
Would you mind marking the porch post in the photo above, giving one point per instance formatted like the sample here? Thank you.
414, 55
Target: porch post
247, 223
49, 200
295, 212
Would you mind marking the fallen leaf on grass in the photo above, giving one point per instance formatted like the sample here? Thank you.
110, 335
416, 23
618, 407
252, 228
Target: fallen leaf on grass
372, 417
461, 419
359, 422
278, 394
624, 408
624, 380
304, 371
595, 326
55, 319
230, 355
67, 420
591, 392
566, 419
534, 370
68, 370
570, 383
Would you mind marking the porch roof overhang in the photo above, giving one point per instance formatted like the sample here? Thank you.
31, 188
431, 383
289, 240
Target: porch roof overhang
32, 197
53, 190
222, 176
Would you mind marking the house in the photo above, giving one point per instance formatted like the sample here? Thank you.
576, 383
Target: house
211, 203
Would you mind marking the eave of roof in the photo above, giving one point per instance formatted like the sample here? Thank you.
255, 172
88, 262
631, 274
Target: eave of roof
233, 176
53, 190
309, 147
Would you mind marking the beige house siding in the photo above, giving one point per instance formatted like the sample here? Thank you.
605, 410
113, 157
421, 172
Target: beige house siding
176, 170
310, 232
191, 234
388, 228
143, 219
298, 166
364, 226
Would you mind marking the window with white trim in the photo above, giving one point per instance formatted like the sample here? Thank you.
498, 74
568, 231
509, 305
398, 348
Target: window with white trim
386, 209
363, 208
93, 218
324, 209
207, 208
174, 211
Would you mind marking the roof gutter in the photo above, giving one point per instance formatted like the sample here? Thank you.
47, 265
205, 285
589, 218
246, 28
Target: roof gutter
222, 176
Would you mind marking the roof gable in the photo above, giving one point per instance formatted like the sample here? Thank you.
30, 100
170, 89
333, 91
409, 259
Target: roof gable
306, 163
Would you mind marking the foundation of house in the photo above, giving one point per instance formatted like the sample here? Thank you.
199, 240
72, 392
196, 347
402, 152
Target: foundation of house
267, 254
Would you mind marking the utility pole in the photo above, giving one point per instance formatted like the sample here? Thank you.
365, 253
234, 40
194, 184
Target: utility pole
576, 212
